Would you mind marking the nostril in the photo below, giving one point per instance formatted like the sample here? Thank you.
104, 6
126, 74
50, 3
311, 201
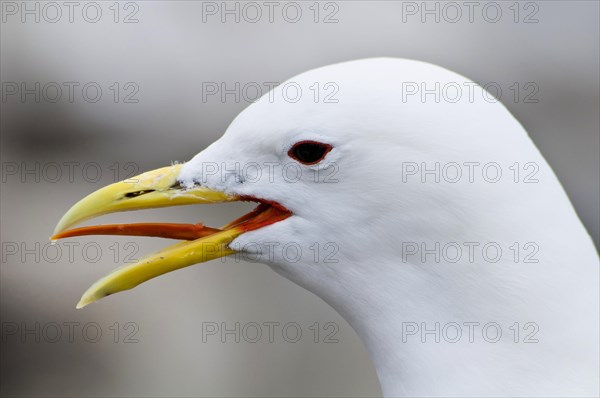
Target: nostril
137, 193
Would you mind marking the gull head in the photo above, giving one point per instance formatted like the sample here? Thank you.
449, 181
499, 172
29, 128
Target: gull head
340, 160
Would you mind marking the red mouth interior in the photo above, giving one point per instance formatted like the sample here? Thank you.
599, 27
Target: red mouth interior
265, 214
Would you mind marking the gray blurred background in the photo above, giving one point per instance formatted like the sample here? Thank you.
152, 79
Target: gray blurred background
56, 151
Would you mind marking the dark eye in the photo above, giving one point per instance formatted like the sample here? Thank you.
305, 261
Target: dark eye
309, 152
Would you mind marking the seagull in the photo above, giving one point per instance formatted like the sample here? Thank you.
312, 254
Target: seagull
416, 206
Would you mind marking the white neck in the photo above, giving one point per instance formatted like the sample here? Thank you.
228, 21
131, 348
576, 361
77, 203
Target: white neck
410, 317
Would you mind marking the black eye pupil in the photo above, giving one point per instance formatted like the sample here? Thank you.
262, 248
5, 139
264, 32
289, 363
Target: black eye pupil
309, 152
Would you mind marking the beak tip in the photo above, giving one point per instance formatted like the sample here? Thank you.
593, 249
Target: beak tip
65, 222
58, 229
84, 301
93, 294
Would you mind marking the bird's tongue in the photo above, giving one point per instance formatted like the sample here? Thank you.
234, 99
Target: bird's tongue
157, 230
261, 216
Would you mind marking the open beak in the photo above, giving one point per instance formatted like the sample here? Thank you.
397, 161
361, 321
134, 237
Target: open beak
160, 188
